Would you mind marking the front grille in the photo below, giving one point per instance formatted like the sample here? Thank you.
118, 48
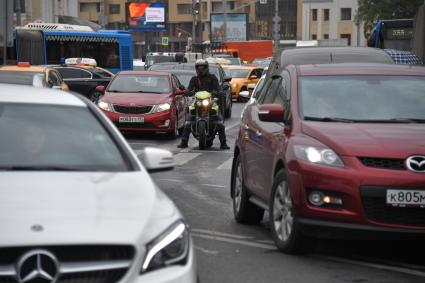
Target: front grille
376, 209
134, 125
132, 109
84, 256
384, 163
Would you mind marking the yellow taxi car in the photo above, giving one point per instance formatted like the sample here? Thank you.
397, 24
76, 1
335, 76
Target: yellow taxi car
242, 76
39, 76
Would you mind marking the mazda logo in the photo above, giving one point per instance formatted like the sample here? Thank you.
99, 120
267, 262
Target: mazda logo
38, 266
416, 163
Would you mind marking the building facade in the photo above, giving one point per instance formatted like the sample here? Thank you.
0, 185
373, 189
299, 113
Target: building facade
332, 19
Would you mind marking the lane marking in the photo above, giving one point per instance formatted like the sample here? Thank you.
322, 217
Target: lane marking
215, 233
234, 241
183, 158
212, 185
232, 126
206, 251
227, 165
375, 265
170, 180
266, 242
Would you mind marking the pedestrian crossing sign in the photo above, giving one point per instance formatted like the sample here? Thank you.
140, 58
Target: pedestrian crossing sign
164, 41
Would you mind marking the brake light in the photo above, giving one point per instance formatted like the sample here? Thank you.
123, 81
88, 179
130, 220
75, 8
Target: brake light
24, 64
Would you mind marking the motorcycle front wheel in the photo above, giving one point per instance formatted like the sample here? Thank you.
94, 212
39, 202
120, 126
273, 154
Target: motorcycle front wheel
202, 133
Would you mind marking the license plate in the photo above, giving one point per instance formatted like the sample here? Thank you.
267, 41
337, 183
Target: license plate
127, 119
406, 198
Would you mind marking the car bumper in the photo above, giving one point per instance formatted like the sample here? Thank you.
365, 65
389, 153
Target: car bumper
173, 274
363, 193
153, 122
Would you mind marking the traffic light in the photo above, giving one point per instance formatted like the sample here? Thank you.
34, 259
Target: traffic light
196, 8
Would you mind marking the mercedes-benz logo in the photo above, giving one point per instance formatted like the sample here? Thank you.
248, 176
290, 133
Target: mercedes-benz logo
416, 163
38, 266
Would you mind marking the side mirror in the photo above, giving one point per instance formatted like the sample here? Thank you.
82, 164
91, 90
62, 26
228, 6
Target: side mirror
156, 159
101, 89
244, 95
253, 77
271, 113
227, 79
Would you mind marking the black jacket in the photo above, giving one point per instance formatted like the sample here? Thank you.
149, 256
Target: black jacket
206, 83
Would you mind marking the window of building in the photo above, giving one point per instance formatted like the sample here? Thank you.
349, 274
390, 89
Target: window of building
345, 14
217, 7
326, 15
314, 15
114, 9
184, 9
326, 36
22, 2
314, 36
347, 36
89, 7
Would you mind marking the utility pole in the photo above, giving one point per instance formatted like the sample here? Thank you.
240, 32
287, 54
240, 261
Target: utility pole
276, 28
18, 12
224, 35
195, 11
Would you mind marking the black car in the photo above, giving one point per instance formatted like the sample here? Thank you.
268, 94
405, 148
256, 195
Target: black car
85, 79
215, 69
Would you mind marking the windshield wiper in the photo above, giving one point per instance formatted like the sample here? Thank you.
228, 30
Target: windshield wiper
407, 120
154, 92
328, 119
38, 168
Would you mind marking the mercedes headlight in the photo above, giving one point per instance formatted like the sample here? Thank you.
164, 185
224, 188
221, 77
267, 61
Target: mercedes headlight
162, 107
169, 248
324, 156
235, 85
104, 105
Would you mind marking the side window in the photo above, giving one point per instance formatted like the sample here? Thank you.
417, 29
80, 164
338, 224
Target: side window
53, 79
257, 72
85, 74
264, 91
73, 73
276, 93
175, 82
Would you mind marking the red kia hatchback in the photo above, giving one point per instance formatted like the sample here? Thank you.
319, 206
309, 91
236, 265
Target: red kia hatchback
145, 101
331, 148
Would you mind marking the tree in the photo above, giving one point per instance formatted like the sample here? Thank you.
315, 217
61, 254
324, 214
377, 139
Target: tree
372, 10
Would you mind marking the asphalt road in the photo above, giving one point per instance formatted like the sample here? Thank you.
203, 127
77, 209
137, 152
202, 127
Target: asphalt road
230, 252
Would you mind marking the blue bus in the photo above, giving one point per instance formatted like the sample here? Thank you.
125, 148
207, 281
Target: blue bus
45, 44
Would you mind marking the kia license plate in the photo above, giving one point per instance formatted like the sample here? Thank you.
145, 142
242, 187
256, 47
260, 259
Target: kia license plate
130, 119
406, 198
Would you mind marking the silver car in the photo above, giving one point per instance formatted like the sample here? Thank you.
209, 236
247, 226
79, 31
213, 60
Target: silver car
76, 203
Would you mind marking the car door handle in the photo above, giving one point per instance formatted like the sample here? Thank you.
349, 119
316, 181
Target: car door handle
258, 133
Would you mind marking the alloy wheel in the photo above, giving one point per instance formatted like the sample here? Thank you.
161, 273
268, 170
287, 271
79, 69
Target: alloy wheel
283, 219
237, 199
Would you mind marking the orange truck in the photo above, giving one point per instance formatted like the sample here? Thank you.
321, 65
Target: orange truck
249, 50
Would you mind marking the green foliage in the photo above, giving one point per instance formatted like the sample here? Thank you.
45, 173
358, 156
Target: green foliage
372, 10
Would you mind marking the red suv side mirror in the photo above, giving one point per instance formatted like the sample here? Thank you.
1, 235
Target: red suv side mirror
180, 91
271, 113
100, 89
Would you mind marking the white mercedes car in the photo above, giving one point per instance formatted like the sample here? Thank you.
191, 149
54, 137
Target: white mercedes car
76, 204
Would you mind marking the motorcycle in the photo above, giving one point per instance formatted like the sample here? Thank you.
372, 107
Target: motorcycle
204, 117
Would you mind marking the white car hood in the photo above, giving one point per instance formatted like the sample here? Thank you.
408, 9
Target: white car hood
80, 208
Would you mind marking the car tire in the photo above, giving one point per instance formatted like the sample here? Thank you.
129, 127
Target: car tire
244, 211
228, 111
283, 222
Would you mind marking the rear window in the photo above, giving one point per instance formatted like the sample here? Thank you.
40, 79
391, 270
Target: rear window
23, 78
59, 137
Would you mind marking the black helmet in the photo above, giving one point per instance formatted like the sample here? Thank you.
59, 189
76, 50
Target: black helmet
201, 66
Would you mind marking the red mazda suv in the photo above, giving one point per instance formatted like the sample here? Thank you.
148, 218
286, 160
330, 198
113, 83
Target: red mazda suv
333, 148
145, 101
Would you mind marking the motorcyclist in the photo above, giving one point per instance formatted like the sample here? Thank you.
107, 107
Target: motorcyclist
204, 81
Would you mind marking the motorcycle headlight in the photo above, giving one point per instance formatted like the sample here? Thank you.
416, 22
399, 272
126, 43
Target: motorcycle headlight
104, 105
324, 156
169, 248
205, 102
161, 107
